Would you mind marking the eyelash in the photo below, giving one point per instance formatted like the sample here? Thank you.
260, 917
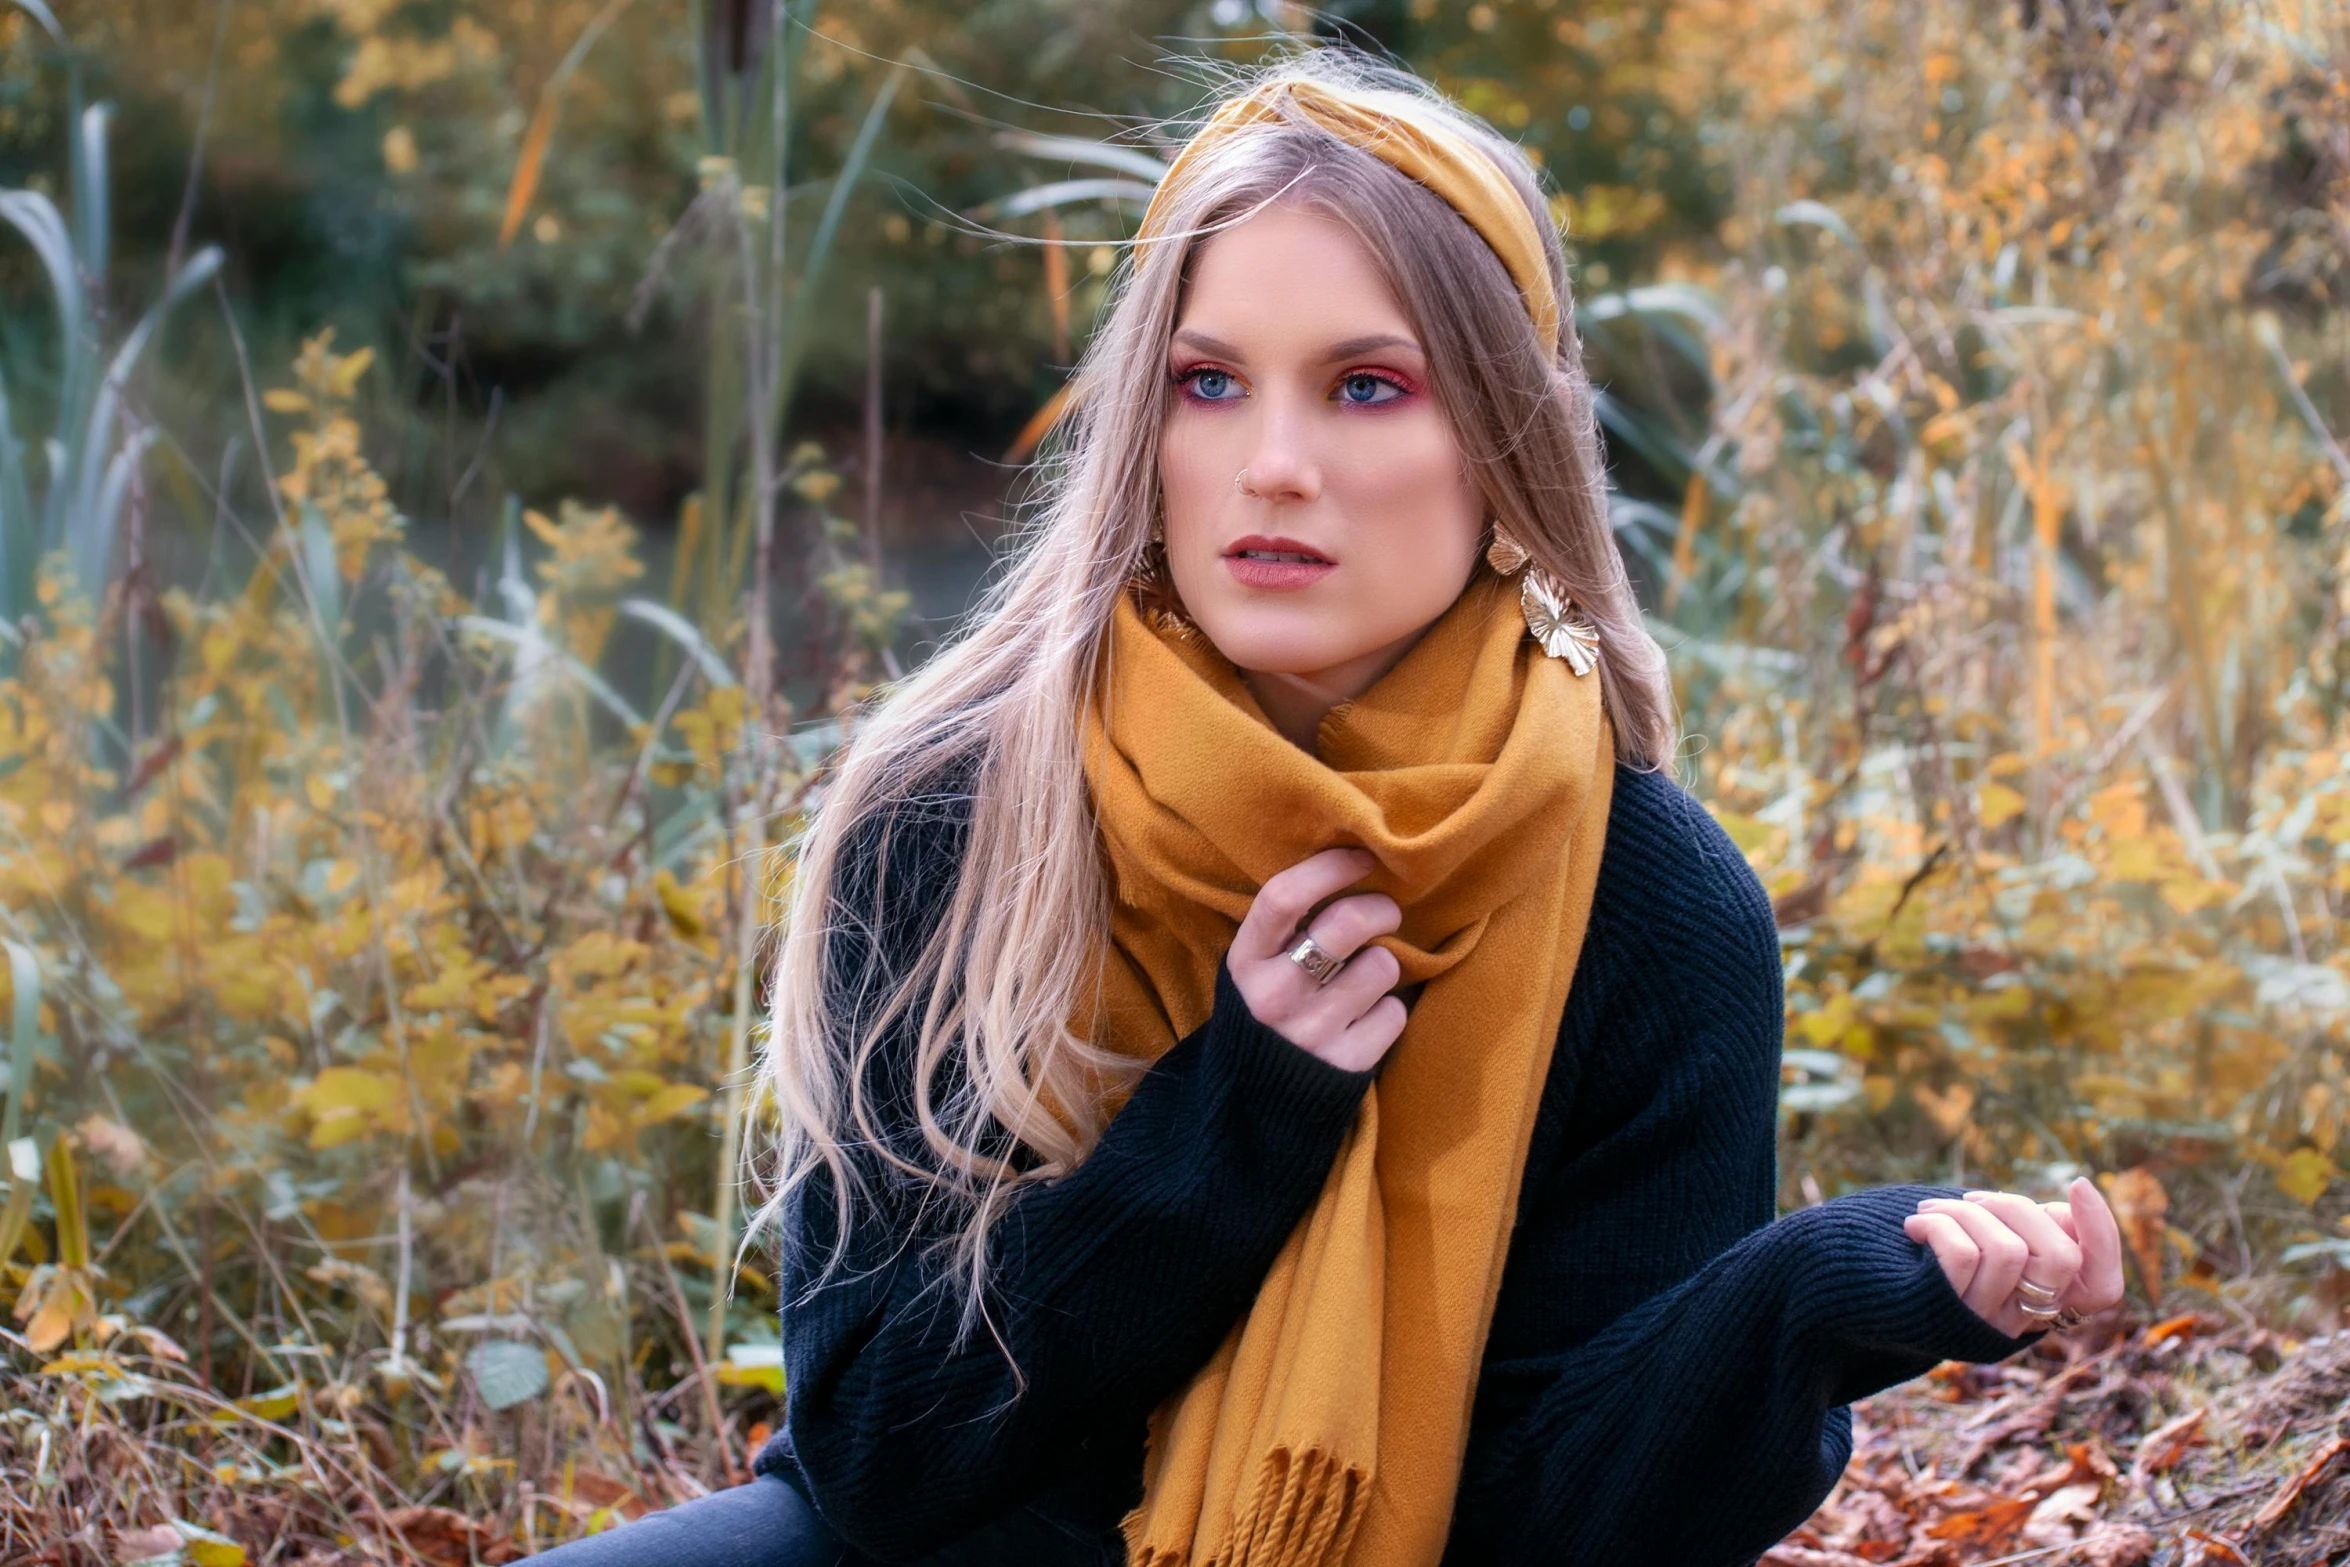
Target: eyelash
1404, 386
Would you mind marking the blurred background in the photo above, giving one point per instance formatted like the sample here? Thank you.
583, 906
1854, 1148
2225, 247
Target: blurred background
462, 463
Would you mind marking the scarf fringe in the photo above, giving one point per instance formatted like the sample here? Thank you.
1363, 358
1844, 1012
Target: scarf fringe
1305, 1513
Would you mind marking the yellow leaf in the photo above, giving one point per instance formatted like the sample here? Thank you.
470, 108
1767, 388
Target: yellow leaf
1996, 803
275, 1404
671, 1100
56, 816
348, 369
2304, 1176
203, 1548
678, 904
344, 1102
768, 1377
320, 793
284, 400
50, 1324
349, 1088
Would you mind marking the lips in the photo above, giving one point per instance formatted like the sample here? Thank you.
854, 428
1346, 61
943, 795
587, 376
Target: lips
1275, 563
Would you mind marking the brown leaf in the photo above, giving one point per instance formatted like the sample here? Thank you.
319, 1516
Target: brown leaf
2216, 1552
1987, 1528
2059, 1517
2114, 1545
154, 852
1805, 1556
137, 1545
601, 1490
2167, 1444
439, 1536
156, 761
2140, 1207
2272, 1512
2086, 1461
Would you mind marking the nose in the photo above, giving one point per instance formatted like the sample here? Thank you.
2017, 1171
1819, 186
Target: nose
1282, 465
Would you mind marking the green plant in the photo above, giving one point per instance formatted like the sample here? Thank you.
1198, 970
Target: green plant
66, 488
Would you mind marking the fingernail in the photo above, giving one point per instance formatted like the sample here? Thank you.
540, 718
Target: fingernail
1976, 1196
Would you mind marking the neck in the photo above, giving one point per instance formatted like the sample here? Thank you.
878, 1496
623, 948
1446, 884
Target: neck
1298, 702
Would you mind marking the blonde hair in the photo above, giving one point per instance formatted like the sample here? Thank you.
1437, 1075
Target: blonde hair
1001, 1089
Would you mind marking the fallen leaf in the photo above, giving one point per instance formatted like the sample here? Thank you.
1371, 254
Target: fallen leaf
601, 1490
1987, 1528
2059, 1517
2166, 1444
139, 1545
2272, 1512
203, 1548
2087, 1461
2115, 1545
439, 1536
1804, 1556
2216, 1552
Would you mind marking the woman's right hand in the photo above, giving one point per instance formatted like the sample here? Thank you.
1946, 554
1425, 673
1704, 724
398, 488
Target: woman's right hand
1351, 1021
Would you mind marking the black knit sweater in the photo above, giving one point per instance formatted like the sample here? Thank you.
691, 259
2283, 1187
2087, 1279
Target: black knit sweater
1668, 1370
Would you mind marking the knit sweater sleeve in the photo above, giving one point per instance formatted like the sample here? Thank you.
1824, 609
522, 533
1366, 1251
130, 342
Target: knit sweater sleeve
1107, 1287
1689, 1403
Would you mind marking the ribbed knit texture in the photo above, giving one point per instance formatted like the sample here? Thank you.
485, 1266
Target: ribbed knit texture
1668, 1368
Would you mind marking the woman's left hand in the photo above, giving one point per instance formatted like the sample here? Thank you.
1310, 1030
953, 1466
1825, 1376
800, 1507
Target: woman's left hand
1992, 1241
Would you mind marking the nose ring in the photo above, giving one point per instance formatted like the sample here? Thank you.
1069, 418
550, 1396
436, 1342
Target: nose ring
1240, 482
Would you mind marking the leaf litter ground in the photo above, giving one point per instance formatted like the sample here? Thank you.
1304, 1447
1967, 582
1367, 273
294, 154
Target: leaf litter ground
2176, 1443
2183, 1442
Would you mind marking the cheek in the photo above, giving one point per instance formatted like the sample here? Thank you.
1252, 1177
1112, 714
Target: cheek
1403, 477
1194, 467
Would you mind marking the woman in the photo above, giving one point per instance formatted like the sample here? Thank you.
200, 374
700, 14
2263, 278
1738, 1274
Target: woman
1395, 1182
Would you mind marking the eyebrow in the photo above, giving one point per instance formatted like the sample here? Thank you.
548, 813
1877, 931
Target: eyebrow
1352, 348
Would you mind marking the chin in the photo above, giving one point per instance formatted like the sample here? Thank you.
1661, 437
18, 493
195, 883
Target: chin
1283, 641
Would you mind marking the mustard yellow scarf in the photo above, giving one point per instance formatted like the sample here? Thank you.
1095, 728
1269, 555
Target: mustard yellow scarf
1329, 1427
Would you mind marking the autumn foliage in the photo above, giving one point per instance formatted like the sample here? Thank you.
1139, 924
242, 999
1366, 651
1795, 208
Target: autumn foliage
382, 957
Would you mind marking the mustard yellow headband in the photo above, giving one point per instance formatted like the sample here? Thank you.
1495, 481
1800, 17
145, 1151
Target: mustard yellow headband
1405, 133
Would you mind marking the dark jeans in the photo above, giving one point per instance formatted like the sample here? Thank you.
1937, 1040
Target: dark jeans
768, 1523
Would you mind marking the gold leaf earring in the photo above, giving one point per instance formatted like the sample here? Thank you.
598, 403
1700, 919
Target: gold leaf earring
1154, 587
1550, 613
1505, 554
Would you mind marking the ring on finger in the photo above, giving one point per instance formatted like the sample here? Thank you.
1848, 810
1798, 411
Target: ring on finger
2037, 1301
1316, 960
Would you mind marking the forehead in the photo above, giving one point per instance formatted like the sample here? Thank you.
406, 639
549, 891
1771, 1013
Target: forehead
1288, 273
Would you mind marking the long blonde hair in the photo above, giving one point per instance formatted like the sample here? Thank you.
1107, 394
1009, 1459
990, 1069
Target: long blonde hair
1004, 1089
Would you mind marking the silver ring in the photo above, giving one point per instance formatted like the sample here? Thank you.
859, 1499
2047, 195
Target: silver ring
2036, 1296
1316, 960
1240, 482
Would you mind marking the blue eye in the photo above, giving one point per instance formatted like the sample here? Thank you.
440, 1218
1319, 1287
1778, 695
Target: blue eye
1364, 389
1210, 385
